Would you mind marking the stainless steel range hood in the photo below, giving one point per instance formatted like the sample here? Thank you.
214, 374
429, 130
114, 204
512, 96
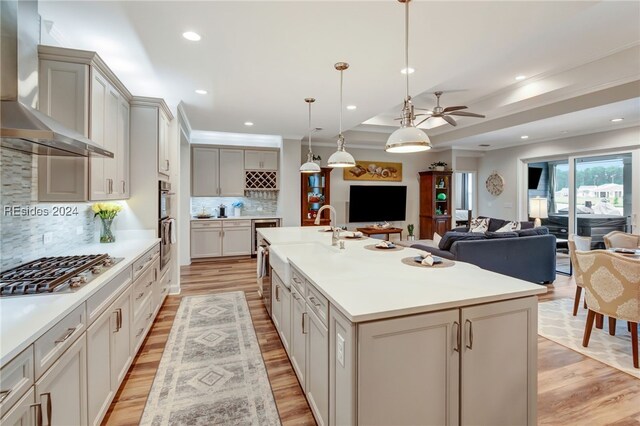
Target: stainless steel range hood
24, 128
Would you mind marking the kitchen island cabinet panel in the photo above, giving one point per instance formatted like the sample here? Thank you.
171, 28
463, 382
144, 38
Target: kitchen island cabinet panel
408, 370
317, 362
298, 338
99, 361
22, 413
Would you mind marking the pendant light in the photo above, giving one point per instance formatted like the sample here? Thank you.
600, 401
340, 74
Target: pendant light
341, 158
408, 138
310, 166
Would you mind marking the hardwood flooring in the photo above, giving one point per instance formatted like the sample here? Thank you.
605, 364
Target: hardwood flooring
572, 389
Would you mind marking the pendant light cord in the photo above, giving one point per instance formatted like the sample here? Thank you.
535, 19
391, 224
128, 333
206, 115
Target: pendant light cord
406, 43
341, 72
309, 127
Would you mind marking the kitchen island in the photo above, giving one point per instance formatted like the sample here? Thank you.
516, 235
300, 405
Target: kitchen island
374, 339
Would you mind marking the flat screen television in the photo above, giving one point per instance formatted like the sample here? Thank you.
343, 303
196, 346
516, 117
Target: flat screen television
377, 203
534, 177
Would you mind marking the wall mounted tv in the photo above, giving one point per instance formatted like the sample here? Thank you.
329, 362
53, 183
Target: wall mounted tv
534, 177
377, 203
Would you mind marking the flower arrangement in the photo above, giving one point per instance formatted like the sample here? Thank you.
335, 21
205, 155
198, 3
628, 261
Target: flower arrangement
238, 204
107, 212
410, 228
438, 165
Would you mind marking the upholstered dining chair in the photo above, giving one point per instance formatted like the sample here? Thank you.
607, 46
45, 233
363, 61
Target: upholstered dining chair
577, 242
612, 288
619, 239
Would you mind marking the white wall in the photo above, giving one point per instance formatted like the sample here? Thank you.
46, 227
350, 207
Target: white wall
509, 162
184, 197
289, 196
411, 165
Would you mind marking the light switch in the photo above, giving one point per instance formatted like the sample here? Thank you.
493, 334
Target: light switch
340, 349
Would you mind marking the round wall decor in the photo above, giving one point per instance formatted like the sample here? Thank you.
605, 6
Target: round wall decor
495, 184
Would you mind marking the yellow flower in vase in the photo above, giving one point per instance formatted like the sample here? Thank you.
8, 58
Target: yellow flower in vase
107, 212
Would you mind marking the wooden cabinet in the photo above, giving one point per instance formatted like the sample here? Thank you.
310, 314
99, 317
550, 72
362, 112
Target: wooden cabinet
217, 172
260, 160
236, 241
315, 189
276, 301
62, 390
281, 309
164, 162
206, 241
78, 89
435, 203
317, 386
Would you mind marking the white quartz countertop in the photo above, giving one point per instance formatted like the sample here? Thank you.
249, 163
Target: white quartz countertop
368, 285
23, 319
195, 219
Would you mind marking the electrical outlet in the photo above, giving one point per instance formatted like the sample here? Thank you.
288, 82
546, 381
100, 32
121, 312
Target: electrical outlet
79, 230
340, 349
47, 238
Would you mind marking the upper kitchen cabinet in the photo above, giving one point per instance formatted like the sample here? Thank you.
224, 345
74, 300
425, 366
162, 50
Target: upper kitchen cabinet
164, 164
260, 160
217, 172
79, 90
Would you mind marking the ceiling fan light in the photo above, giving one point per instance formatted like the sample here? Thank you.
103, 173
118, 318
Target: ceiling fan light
408, 139
341, 158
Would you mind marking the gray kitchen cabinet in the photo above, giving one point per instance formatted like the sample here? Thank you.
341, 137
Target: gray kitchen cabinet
285, 317
298, 345
62, 390
22, 413
236, 241
260, 160
79, 90
217, 172
99, 363
164, 163
206, 241
317, 362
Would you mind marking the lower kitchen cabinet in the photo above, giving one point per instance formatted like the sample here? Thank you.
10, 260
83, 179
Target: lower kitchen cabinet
206, 242
236, 241
317, 363
99, 363
217, 238
298, 344
62, 390
22, 413
281, 309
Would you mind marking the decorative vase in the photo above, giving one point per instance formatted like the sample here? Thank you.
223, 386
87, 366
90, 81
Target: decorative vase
106, 234
439, 168
411, 237
237, 211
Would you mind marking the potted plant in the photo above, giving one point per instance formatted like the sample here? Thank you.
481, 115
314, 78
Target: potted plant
107, 212
410, 228
438, 166
316, 159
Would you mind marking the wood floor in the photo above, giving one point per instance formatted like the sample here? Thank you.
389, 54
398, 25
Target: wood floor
572, 389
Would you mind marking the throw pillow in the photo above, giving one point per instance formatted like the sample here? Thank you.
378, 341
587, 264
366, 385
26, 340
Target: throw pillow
542, 230
451, 237
480, 225
498, 234
436, 239
509, 227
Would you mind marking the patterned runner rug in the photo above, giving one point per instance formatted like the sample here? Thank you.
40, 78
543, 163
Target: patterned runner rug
556, 323
211, 372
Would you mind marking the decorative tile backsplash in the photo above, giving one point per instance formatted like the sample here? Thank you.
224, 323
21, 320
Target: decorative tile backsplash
256, 203
24, 222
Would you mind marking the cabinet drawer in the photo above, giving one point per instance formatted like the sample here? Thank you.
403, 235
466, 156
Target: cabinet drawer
101, 300
317, 302
236, 223
297, 280
54, 342
16, 377
141, 324
22, 413
144, 260
207, 224
142, 289
162, 287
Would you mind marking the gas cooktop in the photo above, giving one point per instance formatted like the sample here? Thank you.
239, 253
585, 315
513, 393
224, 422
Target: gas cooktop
54, 274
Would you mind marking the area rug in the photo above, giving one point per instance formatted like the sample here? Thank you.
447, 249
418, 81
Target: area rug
556, 323
211, 372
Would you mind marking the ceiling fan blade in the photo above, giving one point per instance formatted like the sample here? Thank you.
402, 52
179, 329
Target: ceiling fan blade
466, 114
450, 120
454, 108
423, 121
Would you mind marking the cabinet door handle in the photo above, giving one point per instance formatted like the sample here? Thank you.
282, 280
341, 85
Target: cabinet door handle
49, 408
4, 395
296, 280
304, 330
313, 300
38, 408
123, 186
118, 319
167, 162
470, 344
149, 285
295, 296
66, 335
150, 315
140, 296
458, 336
139, 332
277, 293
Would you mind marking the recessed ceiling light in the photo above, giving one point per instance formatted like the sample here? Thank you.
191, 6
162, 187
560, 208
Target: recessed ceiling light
351, 107
248, 123
201, 92
615, 120
404, 70
524, 137
520, 77
191, 36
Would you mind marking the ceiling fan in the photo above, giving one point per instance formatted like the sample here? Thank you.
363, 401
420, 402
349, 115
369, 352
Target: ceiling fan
446, 113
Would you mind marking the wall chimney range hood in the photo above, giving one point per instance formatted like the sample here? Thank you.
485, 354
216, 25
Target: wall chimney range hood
22, 127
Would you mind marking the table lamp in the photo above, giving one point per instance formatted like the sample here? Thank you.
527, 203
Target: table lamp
538, 210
